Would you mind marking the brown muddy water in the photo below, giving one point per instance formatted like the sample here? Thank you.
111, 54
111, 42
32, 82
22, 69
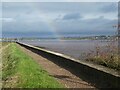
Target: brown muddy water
78, 49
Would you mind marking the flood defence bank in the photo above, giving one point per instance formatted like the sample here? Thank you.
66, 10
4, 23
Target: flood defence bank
100, 76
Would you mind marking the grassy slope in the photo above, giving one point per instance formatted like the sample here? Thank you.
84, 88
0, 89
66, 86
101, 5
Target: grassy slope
20, 70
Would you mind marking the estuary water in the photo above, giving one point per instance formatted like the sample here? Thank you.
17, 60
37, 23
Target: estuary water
78, 49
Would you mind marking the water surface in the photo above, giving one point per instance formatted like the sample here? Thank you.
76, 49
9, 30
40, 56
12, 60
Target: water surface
78, 49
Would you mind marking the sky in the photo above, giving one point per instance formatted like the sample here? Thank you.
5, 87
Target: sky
42, 19
59, 0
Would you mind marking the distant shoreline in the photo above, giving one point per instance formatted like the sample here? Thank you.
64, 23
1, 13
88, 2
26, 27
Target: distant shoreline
102, 37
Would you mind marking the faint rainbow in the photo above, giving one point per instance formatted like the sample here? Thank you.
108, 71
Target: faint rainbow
53, 29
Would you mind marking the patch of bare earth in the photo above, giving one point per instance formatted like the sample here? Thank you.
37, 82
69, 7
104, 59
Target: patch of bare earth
62, 75
11, 82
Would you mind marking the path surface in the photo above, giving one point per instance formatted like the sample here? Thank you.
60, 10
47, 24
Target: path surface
62, 75
2, 48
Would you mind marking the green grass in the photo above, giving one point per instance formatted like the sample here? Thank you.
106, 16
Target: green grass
20, 70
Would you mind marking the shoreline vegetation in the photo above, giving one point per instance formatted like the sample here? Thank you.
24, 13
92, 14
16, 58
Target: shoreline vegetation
107, 56
20, 70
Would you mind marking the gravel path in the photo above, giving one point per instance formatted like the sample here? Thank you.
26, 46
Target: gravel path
62, 75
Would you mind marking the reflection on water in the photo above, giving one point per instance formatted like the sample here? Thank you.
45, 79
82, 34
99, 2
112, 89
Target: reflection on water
74, 48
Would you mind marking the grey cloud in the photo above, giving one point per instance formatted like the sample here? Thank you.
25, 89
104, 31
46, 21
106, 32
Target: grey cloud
83, 7
99, 25
72, 16
89, 26
25, 27
109, 7
28, 18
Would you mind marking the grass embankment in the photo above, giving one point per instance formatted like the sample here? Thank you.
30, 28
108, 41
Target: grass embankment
20, 70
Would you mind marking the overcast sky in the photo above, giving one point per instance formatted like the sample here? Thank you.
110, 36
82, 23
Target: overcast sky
35, 19
59, 0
